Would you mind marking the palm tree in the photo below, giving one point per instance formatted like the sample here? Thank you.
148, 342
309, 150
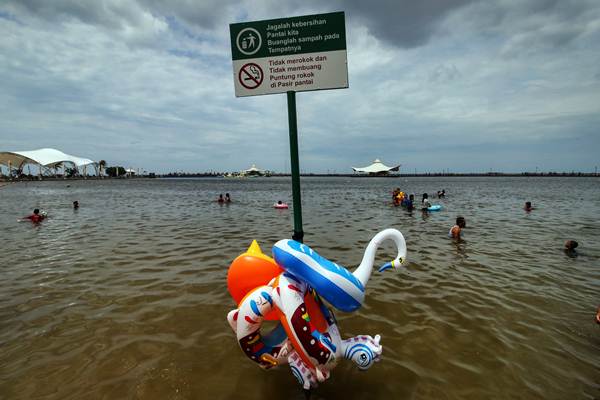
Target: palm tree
102, 164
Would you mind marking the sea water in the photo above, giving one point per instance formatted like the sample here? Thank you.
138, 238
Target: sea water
126, 297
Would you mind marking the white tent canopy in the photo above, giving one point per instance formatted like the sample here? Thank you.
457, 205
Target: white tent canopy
376, 168
43, 157
253, 169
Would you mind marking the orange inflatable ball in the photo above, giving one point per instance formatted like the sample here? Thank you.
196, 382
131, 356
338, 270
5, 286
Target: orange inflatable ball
249, 271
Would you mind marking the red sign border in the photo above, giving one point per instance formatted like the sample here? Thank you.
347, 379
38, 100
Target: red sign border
262, 76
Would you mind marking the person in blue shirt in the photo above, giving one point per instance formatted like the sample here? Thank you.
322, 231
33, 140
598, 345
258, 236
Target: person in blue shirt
409, 203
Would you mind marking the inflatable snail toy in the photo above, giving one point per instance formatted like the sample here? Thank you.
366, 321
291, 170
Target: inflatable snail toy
292, 288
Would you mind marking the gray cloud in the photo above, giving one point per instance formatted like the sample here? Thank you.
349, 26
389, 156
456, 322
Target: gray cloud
432, 85
400, 23
528, 27
113, 14
403, 24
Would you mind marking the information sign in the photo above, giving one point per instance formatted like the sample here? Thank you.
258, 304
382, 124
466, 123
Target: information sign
289, 54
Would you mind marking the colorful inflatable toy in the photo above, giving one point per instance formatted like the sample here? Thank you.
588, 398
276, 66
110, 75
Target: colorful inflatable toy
281, 206
290, 288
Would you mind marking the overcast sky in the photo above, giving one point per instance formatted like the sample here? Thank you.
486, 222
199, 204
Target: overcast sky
434, 85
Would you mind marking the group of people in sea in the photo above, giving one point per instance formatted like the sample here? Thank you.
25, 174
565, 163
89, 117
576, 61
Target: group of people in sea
227, 198
38, 216
399, 198
570, 245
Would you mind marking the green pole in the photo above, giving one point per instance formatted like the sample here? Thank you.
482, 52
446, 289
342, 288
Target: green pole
291, 102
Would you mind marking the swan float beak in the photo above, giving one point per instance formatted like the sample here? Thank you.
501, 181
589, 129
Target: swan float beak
397, 263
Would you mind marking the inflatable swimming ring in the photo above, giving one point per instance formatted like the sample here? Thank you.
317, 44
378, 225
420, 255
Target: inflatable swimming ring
310, 326
435, 207
341, 288
280, 206
266, 350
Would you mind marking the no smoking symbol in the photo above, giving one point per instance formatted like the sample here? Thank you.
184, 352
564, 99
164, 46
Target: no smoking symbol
250, 76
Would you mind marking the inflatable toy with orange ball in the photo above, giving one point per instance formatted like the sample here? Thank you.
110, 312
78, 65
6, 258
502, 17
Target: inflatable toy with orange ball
249, 271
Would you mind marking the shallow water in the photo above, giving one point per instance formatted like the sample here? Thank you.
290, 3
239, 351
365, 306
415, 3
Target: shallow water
126, 297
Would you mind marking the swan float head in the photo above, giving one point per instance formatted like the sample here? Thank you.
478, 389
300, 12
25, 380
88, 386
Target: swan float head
343, 289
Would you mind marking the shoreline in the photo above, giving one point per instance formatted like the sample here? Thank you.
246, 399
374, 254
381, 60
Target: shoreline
423, 175
5, 180
215, 176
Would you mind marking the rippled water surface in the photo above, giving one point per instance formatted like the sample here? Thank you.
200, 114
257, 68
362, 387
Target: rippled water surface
126, 297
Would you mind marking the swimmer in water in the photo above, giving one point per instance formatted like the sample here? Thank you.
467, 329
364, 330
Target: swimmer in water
221, 199
35, 217
75, 205
570, 246
455, 230
227, 198
528, 206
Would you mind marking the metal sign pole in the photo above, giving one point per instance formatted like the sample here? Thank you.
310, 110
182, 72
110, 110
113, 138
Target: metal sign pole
291, 102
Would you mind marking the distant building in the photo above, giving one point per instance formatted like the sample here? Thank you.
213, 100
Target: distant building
253, 171
377, 168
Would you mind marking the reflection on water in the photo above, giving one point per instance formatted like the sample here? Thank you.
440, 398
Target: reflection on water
126, 297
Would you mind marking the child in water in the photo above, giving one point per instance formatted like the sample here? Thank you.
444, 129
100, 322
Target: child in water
395, 198
221, 199
455, 230
528, 206
570, 246
425, 204
410, 203
227, 198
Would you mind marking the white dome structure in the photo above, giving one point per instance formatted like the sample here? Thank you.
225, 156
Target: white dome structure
377, 168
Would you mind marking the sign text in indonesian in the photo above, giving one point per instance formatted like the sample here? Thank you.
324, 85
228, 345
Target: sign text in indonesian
289, 54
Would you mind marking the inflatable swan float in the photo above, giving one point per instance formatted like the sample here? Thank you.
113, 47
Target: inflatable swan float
344, 290
289, 289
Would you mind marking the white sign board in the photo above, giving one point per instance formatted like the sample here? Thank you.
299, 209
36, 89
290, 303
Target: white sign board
290, 54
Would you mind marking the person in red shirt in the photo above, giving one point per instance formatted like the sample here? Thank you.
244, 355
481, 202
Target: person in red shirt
36, 216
